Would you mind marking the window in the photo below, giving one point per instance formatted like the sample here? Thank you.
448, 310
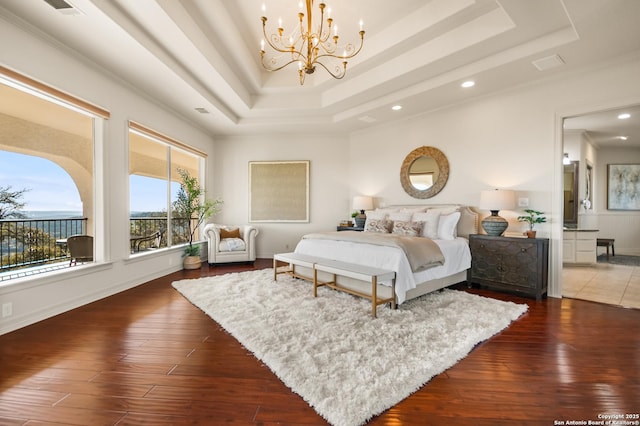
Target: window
47, 143
154, 181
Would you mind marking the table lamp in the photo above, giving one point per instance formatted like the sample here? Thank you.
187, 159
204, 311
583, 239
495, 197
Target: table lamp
362, 203
494, 201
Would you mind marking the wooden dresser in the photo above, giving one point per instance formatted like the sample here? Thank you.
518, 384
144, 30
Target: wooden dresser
517, 265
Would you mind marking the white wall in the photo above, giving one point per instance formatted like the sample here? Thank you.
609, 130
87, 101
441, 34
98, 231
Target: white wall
45, 296
329, 184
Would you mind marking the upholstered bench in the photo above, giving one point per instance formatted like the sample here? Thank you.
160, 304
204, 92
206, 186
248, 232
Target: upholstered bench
363, 273
293, 260
607, 242
366, 277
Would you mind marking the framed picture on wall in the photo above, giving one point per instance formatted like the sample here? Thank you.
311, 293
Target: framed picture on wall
623, 186
279, 191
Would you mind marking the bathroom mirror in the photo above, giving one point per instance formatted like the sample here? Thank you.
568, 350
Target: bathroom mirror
571, 193
424, 172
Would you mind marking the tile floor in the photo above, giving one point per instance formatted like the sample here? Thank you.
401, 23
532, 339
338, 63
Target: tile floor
604, 283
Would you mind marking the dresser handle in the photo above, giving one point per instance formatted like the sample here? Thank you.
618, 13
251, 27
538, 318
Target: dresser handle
523, 249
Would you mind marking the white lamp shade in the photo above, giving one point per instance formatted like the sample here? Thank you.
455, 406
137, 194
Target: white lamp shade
498, 199
362, 202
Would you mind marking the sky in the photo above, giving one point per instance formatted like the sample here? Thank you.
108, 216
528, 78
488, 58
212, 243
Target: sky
51, 188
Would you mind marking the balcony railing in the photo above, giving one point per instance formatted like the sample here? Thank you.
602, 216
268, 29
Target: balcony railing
32, 243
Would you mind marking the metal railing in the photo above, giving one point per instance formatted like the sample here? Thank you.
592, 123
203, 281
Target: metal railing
34, 242
31, 242
142, 232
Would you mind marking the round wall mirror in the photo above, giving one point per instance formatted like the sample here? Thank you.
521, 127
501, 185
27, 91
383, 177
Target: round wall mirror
424, 172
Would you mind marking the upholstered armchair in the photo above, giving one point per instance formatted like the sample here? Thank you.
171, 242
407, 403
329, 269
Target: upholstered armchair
231, 243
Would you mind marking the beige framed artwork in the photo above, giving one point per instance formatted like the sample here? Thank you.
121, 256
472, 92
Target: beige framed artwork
279, 191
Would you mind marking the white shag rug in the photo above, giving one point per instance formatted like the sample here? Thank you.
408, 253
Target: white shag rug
345, 364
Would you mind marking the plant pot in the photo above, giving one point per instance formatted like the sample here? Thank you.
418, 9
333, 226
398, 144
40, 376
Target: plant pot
192, 262
531, 234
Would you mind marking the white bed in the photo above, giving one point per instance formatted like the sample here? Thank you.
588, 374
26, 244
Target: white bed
409, 284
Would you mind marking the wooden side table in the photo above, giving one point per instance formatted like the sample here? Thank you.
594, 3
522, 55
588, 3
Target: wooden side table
349, 228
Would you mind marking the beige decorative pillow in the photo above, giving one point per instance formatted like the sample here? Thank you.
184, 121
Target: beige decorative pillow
375, 215
409, 229
379, 226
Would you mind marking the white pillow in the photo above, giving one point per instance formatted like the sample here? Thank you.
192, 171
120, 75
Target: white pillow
447, 226
413, 209
232, 244
400, 217
430, 220
444, 210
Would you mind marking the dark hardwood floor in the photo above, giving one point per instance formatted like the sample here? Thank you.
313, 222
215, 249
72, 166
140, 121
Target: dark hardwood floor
147, 356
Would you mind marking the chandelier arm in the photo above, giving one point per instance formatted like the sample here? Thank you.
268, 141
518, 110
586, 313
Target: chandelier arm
351, 55
281, 66
337, 76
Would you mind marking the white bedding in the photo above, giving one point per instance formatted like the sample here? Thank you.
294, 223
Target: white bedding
456, 253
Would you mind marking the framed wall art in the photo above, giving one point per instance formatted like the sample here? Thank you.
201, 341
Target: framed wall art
279, 191
623, 186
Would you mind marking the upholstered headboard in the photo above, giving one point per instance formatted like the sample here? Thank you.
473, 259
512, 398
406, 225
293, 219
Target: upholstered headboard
468, 223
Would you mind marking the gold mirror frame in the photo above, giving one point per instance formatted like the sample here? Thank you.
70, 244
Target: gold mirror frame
443, 171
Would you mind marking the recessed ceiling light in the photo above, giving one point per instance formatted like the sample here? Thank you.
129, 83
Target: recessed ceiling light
468, 84
624, 116
622, 138
396, 107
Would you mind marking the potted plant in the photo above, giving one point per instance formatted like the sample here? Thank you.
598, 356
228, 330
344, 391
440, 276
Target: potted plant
532, 217
191, 205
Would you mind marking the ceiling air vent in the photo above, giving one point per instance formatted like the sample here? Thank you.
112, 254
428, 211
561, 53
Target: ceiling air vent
63, 7
202, 110
547, 63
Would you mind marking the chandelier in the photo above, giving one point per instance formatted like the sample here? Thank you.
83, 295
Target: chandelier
308, 47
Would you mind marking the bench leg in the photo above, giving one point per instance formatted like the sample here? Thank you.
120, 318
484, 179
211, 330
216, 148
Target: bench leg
315, 282
393, 293
374, 296
275, 269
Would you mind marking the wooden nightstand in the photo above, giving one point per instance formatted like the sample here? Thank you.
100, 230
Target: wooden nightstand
348, 228
519, 265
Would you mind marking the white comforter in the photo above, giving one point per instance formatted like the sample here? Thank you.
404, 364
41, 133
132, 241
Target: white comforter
456, 253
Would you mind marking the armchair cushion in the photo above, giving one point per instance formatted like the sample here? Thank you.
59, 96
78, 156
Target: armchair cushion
231, 244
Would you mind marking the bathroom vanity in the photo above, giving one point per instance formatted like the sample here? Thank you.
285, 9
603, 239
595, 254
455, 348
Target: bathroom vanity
579, 246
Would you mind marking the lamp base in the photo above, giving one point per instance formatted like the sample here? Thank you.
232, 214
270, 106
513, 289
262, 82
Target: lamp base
360, 220
494, 225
